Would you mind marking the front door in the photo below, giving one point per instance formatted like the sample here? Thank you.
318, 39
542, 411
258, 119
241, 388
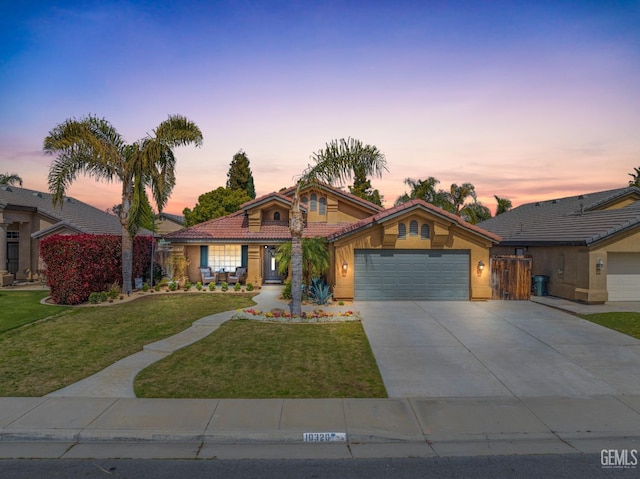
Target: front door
271, 274
12, 258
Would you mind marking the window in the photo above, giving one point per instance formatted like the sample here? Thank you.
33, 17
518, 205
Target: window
322, 209
424, 231
204, 256
304, 200
519, 251
276, 216
314, 201
402, 231
225, 256
13, 234
413, 228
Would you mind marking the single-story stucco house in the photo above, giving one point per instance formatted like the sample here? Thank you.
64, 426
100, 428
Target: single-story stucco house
27, 216
412, 251
588, 245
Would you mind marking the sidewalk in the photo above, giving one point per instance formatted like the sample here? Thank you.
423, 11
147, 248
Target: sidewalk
273, 428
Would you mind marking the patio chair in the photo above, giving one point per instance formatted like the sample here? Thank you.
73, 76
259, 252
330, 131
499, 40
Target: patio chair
240, 276
207, 276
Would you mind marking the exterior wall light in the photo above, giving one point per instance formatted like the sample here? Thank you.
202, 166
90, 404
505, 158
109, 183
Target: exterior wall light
599, 265
345, 267
480, 266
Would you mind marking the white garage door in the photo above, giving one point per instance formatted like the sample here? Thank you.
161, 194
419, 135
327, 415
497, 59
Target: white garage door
411, 275
623, 276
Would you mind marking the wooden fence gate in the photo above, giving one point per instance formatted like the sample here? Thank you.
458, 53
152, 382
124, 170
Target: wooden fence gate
511, 277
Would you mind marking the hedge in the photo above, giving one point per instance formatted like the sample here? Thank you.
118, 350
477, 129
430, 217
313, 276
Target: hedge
78, 265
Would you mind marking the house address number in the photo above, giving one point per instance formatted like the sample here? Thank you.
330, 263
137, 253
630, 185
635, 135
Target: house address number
324, 437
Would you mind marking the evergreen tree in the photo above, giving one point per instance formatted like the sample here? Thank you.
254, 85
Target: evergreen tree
635, 181
504, 205
239, 176
214, 204
362, 188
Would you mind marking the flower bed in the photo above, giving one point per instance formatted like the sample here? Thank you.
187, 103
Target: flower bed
316, 316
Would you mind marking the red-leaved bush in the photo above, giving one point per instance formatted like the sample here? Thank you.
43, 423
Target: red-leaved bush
78, 265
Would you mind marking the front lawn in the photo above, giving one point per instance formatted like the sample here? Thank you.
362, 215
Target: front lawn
23, 307
251, 359
44, 356
627, 323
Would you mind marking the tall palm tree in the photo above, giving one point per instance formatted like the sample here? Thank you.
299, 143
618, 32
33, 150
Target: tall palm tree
315, 258
92, 146
337, 162
10, 179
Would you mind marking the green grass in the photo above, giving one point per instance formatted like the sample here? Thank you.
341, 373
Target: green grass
44, 356
627, 323
23, 307
251, 359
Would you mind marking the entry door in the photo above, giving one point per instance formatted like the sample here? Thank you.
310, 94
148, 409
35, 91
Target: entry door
270, 267
12, 257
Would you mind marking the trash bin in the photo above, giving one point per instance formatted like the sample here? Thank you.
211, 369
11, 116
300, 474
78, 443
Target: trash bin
539, 284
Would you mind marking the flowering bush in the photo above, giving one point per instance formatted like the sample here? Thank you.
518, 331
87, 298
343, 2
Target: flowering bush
78, 265
316, 316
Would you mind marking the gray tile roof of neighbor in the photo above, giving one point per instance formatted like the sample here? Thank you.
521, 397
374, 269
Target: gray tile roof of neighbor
74, 214
575, 220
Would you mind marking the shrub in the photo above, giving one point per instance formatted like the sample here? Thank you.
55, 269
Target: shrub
250, 286
341, 303
94, 298
224, 286
103, 296
286, 291
187, 285
173, 285
319, 291
199, 286
236, 287
114, 291
212, 286
145, 287
156, 287
78, 265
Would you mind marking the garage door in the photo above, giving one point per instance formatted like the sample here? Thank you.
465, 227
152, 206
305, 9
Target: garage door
411, 275
623, 276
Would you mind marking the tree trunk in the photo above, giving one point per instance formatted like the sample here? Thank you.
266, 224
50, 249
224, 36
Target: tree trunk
296, 226
127, 260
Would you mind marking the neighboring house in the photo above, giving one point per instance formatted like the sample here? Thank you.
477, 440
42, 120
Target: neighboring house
168, 223
413, 251
588, 245
27, 216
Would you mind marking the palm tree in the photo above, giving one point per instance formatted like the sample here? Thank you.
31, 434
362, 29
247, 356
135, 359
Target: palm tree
92, 146
10, 179
315, 258
504, 205
635, 181
337, 162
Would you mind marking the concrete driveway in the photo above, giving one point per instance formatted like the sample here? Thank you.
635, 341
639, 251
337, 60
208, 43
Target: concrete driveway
496, 348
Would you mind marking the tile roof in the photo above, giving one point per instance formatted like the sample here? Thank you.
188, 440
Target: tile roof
73, 214
236, 227
409, 206
572, 220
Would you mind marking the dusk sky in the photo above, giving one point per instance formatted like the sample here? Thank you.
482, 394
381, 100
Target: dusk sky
527, 100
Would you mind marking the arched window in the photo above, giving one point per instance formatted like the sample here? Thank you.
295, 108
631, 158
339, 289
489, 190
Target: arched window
276, 216
322, 208
413, 228
304, 199
424, 231
314, 201
402, 231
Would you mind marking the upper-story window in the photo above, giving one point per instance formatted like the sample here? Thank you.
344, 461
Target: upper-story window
304, 200
276, 216
425, 231
413, 228
314, 201
322, 208
402, 231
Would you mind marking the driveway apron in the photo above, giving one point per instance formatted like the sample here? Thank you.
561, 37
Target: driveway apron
496, 349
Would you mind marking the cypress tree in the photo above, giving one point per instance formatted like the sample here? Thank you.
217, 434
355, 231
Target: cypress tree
239, 176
